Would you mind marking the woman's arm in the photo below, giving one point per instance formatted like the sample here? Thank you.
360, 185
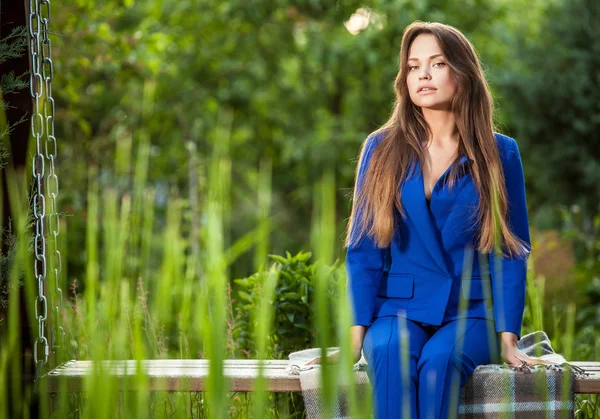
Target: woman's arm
509, 274
364, 267
364, 259
509, 277
357, 336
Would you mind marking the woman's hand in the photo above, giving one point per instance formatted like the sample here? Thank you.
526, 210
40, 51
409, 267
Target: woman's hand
332, 359
356, 354
357, 334
512, 355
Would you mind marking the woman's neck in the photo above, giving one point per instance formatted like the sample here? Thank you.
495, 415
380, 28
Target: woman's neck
444, 132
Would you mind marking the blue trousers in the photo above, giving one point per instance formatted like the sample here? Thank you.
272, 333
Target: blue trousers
417, 370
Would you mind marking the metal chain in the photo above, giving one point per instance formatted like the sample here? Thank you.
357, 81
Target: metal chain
39, 201
51, 179
41, 86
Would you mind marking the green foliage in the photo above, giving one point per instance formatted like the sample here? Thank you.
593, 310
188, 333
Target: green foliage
584, 232
295, 87
293, 306
14, 45
553, 98
303, 91
11, 46
7, 262
572, 328
294, 315
590, 311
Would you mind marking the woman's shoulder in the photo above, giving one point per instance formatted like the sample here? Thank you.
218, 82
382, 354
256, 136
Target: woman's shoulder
371, 142
375, 138
506, 145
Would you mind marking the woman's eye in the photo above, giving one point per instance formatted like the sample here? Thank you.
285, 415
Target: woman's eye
410, 68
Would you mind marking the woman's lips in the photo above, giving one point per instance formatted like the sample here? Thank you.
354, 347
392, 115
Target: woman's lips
428, 91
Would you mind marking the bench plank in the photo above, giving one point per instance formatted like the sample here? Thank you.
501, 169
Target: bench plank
591, 384
190, 375
175, 375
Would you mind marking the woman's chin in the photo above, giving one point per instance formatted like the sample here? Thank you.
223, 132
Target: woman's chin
434, 105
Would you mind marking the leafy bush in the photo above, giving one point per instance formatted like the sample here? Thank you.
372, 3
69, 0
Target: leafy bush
293, 304
13, 45
294, 316
584, 232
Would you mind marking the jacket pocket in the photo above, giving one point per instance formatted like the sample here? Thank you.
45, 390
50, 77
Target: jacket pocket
397, 286
476, 288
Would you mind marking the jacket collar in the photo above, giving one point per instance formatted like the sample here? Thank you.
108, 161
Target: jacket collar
415, 205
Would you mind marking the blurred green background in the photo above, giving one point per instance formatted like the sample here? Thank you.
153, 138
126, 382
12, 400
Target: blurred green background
146, 92
301, 84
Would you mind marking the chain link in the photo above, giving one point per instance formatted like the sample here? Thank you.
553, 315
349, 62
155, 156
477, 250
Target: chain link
42, 129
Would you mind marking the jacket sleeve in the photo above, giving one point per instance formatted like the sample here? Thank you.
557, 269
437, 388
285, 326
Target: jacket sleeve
509, 274
364, 260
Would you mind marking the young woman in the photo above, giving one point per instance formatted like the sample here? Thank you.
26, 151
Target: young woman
437, 192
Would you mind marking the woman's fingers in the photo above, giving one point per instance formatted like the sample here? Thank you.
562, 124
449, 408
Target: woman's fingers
520, 357
533, 361
332, 359
516, 358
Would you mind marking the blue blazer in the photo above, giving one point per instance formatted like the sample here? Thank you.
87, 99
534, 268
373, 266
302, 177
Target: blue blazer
420, 275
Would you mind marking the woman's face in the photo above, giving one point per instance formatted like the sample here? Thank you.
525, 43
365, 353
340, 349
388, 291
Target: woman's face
427, 66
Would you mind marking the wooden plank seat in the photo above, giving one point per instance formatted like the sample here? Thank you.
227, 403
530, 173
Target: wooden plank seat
190, 375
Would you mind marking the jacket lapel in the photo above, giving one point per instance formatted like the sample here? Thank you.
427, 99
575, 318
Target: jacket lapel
415, 205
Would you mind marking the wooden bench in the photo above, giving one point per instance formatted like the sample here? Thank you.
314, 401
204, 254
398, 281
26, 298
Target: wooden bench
189, 375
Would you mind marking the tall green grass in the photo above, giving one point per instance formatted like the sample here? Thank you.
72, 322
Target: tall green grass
145, 295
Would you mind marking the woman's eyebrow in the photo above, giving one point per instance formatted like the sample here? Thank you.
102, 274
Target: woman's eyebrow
432, 56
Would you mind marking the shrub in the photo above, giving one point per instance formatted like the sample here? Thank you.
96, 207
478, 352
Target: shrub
293, 304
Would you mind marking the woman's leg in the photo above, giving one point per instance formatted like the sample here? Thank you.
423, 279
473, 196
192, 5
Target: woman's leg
394, 376
447, 361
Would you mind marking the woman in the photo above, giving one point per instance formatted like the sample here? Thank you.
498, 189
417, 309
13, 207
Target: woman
437, 192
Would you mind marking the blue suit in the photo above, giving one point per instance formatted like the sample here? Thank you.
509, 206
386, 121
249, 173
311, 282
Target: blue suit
414, 288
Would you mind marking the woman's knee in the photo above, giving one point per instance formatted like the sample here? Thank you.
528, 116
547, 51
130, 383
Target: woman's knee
384, 345
381, 348
377, 338
445, 363
434, 360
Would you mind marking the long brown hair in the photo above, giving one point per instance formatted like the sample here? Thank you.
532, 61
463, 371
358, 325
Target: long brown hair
400, 145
